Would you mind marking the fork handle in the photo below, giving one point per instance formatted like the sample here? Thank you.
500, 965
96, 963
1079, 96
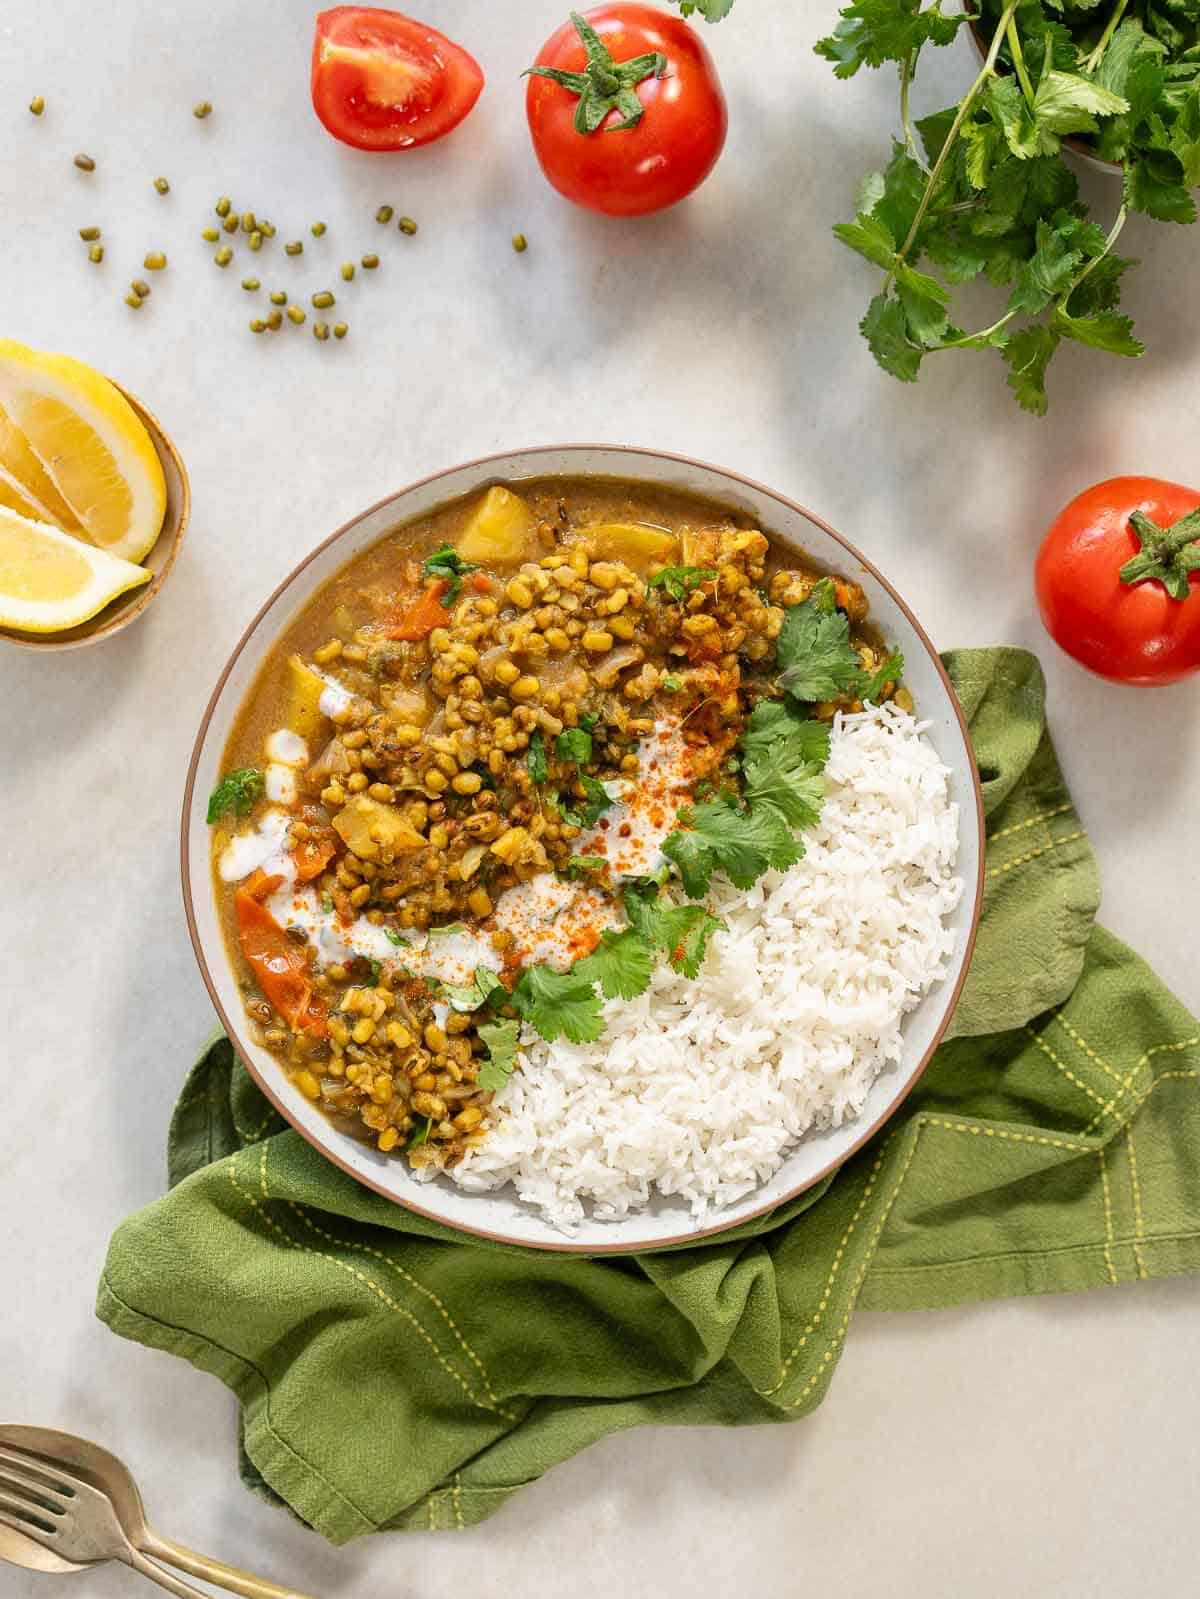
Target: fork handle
228, 1577
164, 1579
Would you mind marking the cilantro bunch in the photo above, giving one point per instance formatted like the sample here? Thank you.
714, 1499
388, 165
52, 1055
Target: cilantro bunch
982, 191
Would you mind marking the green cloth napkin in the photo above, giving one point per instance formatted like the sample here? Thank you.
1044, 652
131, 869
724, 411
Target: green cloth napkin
392, 1375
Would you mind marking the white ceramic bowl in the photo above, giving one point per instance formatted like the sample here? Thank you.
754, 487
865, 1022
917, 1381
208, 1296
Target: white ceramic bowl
501, 1215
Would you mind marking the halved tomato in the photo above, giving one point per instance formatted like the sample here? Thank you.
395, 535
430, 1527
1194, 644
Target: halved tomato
382, 81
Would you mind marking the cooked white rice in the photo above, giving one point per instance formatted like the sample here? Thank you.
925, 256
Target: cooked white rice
700, 1088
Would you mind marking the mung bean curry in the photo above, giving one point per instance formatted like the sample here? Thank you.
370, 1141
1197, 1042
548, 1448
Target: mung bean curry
483, 780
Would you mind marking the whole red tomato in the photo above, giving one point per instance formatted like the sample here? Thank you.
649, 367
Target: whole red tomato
381, 81
625, 109
1118, 580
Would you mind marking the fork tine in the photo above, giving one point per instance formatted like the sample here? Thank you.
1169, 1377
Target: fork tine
56, 1477
22, 1486
20, 1517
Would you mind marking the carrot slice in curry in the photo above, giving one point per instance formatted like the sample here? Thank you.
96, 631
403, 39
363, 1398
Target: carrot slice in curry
421, 615
312, 855
276, 961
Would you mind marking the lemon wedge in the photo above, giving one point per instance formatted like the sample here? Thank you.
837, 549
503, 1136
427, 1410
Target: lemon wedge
73, 448
50, 581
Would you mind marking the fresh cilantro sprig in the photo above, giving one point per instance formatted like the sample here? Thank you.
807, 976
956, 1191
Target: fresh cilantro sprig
558, 1004
598, 796
621, 963
501, 1039
574, 744
579, 864
681, 932
710, 10
237, 793
817, 659
680, 581
981, 190
472, 996
448, 564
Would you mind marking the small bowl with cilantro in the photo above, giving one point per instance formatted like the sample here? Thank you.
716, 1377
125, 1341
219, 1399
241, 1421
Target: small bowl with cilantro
583, 849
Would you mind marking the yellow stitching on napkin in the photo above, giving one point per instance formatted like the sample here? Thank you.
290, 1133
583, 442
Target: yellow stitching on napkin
765, 1393
262, 1171
1032, 855
980, 1131
255, 1133
458, 1514
366, 1249
1065, 1069
367, 1282
1108, 1219
429, 1513
1085, 1046
1019, 827
1139, 1220
840, 1335
1126, 1082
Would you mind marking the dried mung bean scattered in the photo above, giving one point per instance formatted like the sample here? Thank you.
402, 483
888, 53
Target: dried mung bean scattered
162, 185
85, 163
96, 254
318, 228
384, 214
37, 105
249, 222
347, 271
275, 320
340, 330
223, 206
370, 262
211, 235
133, 301
141, 288
323, 300
258, 325
231, 223
294, 247
88, 234
296, 314
267, 229
407, 225
202, 109
320, 330
255, 240
520, 243
278, 297
251, 284
223, 256
155, 261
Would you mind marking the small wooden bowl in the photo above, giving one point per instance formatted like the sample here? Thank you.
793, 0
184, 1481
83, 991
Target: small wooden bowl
126, 608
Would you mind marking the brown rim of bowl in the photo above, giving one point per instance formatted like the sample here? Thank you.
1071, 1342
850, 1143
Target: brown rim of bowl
112, 620
616, 1248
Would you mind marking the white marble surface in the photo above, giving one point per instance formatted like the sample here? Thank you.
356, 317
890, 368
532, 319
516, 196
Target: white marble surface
1018, 1448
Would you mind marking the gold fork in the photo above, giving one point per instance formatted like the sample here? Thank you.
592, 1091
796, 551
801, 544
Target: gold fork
65, 1503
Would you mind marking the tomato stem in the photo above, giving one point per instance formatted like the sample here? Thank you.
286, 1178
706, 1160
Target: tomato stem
604, 85
1168, 554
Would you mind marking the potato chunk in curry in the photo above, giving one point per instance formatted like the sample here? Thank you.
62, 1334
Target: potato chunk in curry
367, 827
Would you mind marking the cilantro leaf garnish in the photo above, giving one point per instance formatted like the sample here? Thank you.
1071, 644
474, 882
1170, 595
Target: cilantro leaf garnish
574, 744
679, 581
447, 929
393, 936
588, 720
536, 757
579, 864
237, 793
449, 565
598, 797
501, 1040
558, 1004
621, 963
814, 651
420, 1132
776, 777
872, 684
772, 720
681, 931
720, 836
471, 996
